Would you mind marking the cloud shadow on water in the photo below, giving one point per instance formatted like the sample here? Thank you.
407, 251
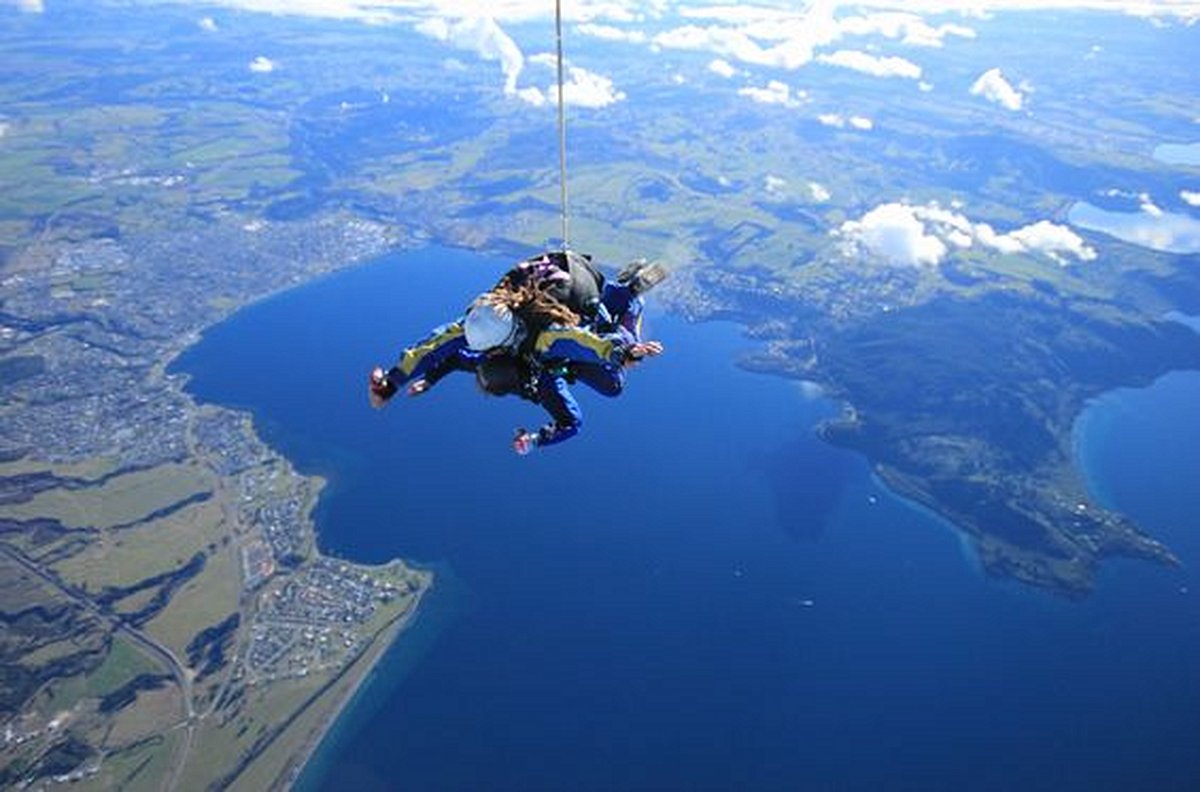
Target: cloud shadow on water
806, 485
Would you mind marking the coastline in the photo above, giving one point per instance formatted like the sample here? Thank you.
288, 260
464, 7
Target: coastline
367, 730
1092, 421
373, 654
327, 705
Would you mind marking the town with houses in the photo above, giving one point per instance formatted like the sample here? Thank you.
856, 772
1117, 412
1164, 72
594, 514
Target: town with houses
93, 414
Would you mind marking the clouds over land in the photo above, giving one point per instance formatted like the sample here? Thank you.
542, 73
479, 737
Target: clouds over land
262, 65
776, 92
482, 36
785, 36
722, 68
839, 121
873, 65
894, 234
907, 28
609, 33
918, 236
992, 86
790, 39
581, 87
748, 46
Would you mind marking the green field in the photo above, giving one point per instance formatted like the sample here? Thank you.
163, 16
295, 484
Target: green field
122, 557
121, 500
143, 767
202, 602
123, 662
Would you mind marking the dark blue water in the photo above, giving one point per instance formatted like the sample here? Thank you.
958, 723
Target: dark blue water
696, 593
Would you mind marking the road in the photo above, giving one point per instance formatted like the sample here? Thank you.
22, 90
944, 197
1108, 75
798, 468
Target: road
147, 642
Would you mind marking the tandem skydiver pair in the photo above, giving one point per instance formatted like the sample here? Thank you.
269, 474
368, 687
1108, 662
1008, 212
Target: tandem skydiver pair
552, 320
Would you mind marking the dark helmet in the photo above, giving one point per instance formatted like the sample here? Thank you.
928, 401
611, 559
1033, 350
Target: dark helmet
502, 375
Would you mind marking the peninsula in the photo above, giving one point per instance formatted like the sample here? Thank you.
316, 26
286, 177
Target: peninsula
166, 614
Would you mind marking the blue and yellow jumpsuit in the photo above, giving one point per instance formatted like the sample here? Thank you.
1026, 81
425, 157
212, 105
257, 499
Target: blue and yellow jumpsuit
559, 355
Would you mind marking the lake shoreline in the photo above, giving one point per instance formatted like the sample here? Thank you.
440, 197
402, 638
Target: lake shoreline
381, 643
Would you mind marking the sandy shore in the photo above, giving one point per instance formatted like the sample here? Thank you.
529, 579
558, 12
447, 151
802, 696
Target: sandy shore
361, 668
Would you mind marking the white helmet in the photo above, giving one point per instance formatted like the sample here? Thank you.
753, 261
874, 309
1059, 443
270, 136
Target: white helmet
488, 325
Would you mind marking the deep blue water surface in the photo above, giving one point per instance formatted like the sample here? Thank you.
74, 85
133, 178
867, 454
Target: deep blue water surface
696, 593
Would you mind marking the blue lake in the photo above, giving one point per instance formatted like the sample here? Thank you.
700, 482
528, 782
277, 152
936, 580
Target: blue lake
1166, 231
696, 593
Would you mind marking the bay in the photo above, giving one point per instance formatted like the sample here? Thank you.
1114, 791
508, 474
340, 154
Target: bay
696, 593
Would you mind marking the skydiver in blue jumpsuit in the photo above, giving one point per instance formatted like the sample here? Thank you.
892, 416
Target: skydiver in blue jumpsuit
519, 353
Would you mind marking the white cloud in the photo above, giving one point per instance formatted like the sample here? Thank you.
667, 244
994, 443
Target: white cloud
609, 33
1190, 197
782, 42
581, 88
839, 121
992, 86
4, 127
587, 89
789, 39
1043, 237
1183, 9
360, 10
722, 68
1056, 241
774, 185
262, 65
482, 36
893, 232
787, 36
208, 24
732, 13
817, 17
535, 96
29, 6
906, 27
874, 65
907, 235
776, 92
777, 188
951, 29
